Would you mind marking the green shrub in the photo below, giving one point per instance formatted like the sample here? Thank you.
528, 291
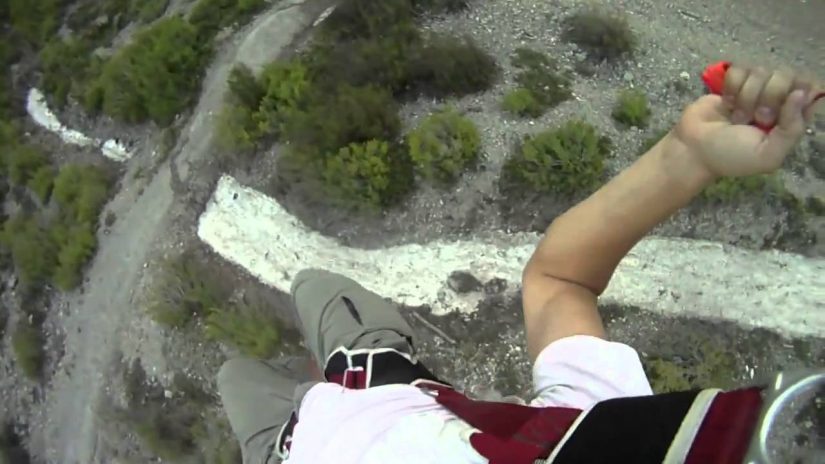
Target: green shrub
729, 189
32, 250
353, 19
245, 88
815, 206
155, 77
651, 141
77, 245
631, 109
237, 129
368, 175
210, 16
447, 66
184, 288
521, 102
23, 161
41, 183
34, 20
603, 35
27, 344
285, 84
350, 115
65, 64
81, 191
253, 330
540, 74
150, 10
170, 440
444, 145
566, 160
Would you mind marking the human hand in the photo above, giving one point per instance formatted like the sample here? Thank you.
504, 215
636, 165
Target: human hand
716, 130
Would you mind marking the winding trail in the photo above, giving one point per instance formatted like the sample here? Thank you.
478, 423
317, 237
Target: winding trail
96, 315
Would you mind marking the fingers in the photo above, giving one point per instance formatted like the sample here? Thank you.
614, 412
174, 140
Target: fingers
755, 94
789, 129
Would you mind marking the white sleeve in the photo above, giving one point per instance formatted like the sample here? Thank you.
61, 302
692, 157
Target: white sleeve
580, 371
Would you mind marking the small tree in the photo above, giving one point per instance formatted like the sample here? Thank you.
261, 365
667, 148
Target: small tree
443, 145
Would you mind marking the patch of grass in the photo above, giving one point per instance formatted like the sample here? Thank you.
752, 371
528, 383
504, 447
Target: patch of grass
354, 19
27, 344
709, 367
729, 189
631, 109
542, 77
210, 16
444, 145
32, 250
81, 190
41, 183
77, 243
252, 329
370, 175
602, 34
521, 102
34, 20
155, 77
184, 288
566, 160
150, 10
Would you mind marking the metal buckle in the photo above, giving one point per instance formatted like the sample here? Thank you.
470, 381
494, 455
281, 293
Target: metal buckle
786, 387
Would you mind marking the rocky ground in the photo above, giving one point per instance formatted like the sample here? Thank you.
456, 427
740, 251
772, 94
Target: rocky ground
91, 332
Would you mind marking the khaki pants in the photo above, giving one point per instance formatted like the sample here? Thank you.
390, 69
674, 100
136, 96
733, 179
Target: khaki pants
333, 311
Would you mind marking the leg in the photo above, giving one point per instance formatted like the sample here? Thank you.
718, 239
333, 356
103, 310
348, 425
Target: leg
336, 311
258, 397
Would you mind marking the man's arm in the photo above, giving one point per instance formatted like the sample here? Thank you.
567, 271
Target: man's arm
581, 249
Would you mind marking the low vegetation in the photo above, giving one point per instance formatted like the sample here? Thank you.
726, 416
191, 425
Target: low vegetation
27, 344
632, 109
708, 367
210, 16
444, 145
729, 189
11, 447
602, 34
252, 329
566, 160
542, 84
34, 20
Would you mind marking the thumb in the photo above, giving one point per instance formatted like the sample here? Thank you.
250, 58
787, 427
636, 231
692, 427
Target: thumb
790, 128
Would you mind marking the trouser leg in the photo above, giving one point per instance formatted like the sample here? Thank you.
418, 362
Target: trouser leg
335, 311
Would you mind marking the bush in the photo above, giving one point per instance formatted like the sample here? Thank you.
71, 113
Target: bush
447, 66
729, 189
245, 88
602, 34
210, 16
815, 206
285, 84
65, 64
155, 77
350, 115
354, 19
27, 343
521, 102
631, 109
566, 160
368, 175
184, 288
541, 76
150, 10
237, 129
41, 183
81, 191
439, 6
32, 250
77, 244
23, 161
253, 330
444, 145
34, 20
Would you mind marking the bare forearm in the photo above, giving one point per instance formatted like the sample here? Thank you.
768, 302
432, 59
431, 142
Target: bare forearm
585, 244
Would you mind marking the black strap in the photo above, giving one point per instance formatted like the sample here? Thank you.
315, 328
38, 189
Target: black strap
388, 368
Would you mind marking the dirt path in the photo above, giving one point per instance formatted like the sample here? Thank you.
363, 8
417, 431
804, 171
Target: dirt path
95, 316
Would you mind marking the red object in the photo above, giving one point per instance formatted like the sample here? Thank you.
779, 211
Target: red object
727, 428
714, 79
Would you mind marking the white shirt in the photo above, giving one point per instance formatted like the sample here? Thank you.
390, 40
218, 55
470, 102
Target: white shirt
400, 424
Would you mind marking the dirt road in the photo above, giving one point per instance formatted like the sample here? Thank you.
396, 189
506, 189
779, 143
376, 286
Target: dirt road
96, 316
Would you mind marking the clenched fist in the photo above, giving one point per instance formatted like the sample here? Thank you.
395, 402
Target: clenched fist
717, 130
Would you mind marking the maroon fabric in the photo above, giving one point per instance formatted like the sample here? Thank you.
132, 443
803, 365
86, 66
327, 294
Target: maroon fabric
510, 433
352, 379
727, 429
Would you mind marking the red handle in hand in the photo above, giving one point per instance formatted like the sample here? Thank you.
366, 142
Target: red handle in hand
714, 78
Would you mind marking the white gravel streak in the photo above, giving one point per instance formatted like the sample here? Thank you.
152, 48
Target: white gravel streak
40, 112
771, 289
